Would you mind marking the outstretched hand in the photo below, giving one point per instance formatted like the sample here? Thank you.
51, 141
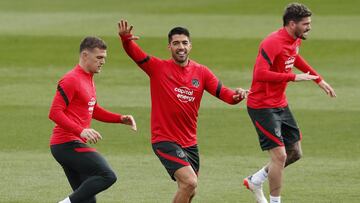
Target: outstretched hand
240, 94
327, 88
129, 120
305, 77
124, 30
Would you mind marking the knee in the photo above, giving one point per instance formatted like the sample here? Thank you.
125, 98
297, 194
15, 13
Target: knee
190, 185
280, 158
110, 177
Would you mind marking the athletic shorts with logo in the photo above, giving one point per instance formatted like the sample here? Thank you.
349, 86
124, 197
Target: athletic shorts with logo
275, 127
174, 157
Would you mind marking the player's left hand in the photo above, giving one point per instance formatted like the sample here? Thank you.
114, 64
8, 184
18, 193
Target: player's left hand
240, 94
125, 29
129, 120
327, 88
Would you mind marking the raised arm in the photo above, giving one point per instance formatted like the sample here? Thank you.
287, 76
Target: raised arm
142, 59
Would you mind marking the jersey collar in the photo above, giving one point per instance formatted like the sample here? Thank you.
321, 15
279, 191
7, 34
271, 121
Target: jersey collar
283, 32
183, 67
79, 69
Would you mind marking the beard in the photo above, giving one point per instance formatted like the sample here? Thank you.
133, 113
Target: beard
301, 34
180, 60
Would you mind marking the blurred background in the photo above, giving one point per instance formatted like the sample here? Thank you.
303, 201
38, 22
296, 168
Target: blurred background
39, 43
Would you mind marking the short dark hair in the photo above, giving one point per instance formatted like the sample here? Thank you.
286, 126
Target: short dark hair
92, 43
295, 12
178, 31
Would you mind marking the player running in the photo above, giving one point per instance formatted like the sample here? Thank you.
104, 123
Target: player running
177, 86
73, 107
267, 105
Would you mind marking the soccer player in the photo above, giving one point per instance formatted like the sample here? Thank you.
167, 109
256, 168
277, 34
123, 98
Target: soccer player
267, 104
73, 107
177, 86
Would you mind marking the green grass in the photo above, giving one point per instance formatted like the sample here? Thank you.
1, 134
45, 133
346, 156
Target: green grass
39, 43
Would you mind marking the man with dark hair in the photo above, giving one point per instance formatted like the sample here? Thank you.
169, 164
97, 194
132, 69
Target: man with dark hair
177, 86
73, 107
267, 104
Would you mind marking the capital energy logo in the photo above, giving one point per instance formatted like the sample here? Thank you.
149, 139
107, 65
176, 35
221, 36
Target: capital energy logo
184, 94
91, 105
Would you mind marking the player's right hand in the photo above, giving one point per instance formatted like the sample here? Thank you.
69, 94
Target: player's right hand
91, 135
240, 94
305, 77
125, 30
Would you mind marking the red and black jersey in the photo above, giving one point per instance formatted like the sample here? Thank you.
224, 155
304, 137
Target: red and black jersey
176, 94
278, 54
74, 106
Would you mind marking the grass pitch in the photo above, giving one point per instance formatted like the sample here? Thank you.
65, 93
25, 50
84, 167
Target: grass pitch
39, 42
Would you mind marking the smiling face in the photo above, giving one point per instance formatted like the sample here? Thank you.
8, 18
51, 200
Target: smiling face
180, 47
93, 59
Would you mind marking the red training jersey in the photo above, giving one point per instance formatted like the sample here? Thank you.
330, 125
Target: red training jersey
278, 54
74, 106
176, 94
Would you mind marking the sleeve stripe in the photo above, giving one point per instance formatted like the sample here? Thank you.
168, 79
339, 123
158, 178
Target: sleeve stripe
144, 60
266, 57
218, 89
63, 95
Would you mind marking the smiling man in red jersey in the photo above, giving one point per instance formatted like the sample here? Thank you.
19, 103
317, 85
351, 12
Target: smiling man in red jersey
267, 104
177, 86
73, 108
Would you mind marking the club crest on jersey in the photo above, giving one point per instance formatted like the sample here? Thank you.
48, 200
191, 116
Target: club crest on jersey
195, 82
180, 153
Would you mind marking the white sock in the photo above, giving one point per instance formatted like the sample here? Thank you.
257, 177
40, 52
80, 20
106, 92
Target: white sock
275, 199
66, 200
259, 177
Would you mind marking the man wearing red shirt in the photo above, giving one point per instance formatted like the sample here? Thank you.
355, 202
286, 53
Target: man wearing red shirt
72, 109
177, 86
267, 105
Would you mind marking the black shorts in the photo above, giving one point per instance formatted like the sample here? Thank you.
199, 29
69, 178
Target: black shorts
275, 127
174, 157
86, 170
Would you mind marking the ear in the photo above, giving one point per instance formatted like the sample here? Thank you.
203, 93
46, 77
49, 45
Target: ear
292, 24
84, 54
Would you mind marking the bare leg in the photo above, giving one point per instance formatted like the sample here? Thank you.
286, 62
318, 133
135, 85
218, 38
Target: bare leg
187, 183
294, 153
275, 170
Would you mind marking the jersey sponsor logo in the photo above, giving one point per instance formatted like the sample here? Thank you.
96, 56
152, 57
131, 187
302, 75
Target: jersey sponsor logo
180, 153
91, 105
195, 82
184, 94
289, 63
